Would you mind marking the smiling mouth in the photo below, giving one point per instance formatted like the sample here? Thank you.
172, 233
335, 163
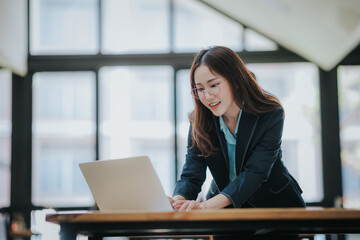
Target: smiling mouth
214, 105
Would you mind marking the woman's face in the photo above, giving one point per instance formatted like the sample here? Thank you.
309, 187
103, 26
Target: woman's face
215, 93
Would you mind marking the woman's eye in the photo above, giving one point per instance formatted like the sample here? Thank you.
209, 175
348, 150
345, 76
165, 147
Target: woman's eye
214, 85
200, 89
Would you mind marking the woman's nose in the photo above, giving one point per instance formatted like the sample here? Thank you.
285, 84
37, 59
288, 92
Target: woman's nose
207, 94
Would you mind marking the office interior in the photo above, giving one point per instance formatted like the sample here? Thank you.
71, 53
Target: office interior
84, 80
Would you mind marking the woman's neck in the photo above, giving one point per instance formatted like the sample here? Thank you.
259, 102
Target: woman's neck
232, 116
231, 120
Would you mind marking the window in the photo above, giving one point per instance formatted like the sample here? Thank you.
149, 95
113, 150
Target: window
256, 42
185, 106
127, 28
296, 86
63, 136
136, 108
197, 26
135, 105
64, 27
5, 136
349, 102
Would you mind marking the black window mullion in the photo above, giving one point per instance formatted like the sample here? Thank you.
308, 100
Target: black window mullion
21, 144
332, 180
97, 118
176, 163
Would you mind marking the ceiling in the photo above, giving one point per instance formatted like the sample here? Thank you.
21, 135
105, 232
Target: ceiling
13, 38
321, 31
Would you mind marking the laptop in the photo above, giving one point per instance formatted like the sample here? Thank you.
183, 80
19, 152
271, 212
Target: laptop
125, 184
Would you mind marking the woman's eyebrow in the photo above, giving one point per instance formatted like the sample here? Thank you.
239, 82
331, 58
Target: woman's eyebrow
209, 81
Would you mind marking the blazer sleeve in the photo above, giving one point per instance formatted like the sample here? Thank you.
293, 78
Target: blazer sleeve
258, 165
193, 173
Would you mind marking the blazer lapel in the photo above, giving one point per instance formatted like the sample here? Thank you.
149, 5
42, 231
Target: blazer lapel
219, 164
222, 141
246, 129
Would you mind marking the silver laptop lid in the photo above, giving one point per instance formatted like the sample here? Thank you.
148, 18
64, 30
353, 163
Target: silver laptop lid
125, 184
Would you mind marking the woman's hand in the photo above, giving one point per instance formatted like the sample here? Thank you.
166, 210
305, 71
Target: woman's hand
187, 205
171, 200
174, 199
217, 202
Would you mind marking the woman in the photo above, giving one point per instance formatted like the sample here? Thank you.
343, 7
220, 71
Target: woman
236, 131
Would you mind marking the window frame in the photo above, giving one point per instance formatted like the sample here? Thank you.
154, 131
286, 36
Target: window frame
22, 108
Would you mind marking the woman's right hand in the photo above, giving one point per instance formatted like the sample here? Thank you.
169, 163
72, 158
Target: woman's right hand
174, 199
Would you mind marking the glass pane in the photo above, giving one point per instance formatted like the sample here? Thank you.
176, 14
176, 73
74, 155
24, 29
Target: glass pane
198, 26
45, 229
63, 137
256, 42
5, 136
185, 105
135, 26
297, 87
349, 101
136, 109
63, 27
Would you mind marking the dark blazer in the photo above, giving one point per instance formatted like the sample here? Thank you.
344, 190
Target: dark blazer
262, 179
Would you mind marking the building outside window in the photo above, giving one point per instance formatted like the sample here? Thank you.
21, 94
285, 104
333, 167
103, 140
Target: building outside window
63, 137
297, 87
349, 105
63, 27
136, 109
127, 28
197, 27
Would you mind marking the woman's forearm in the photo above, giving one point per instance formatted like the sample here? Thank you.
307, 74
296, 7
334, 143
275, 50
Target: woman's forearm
217, 202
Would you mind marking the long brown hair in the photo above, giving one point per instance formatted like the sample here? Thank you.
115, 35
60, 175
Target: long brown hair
225, 62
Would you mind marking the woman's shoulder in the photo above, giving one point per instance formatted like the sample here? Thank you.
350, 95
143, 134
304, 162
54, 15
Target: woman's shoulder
275, 114
278, 110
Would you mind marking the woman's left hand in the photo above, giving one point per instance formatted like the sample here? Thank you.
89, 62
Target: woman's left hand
187, 205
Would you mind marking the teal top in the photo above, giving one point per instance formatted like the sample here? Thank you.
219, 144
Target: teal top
231, 145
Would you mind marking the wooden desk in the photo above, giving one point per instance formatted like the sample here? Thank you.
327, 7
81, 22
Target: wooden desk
226, 222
